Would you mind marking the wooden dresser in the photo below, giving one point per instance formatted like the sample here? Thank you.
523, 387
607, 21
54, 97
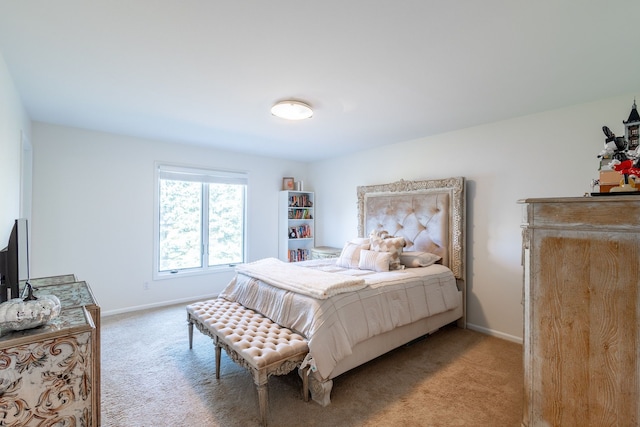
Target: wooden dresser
581, 260
50, 375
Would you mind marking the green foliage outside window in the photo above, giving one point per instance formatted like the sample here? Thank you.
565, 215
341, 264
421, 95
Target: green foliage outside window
226, 224
183, 211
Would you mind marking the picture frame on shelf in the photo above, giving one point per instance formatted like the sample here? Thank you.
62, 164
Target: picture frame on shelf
293, 234
288, 183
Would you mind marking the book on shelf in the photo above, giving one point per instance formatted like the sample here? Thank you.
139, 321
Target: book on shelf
300, 201
296, 255
300, 213
300, 232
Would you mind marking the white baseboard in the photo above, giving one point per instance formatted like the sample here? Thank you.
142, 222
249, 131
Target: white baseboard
494, 333
156, 305
471, 326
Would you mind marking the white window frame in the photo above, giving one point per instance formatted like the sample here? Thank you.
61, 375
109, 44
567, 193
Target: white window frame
196, 174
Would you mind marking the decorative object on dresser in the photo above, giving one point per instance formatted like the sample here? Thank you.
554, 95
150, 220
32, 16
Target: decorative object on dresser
68, 347
296, 226
581, 311
621, 155
19, 314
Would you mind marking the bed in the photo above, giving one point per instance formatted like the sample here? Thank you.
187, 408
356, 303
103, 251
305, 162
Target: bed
349, 308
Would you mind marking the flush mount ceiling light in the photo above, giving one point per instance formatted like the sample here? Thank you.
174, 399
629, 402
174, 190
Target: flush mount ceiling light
292, 110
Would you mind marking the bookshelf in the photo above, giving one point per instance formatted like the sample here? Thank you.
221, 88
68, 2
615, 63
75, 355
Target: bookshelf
296, 227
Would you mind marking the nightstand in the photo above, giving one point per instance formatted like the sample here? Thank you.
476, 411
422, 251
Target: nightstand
321, 252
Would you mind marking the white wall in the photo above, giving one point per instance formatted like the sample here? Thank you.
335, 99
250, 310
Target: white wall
543, 155
93, 212
93, 201
14, 123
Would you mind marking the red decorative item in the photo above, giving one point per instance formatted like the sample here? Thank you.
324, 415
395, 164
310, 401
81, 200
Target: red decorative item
627, 168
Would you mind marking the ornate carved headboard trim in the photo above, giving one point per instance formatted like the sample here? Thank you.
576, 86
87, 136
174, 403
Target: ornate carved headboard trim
431, 204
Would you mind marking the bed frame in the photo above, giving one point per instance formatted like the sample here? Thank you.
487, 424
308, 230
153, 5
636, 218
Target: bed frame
430, 215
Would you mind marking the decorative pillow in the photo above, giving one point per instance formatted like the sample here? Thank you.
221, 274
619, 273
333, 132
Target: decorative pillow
393, 245
372, 260
418, 259
350, 255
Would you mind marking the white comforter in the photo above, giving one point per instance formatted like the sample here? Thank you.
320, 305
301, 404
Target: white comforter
335, 324
285, 275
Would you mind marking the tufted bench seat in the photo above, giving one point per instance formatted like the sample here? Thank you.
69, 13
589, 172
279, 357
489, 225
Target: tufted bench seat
251, 340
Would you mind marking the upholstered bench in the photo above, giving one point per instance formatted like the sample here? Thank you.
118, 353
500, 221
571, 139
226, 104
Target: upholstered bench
251, 340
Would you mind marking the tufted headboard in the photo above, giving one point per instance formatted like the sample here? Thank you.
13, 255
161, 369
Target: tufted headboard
429, 214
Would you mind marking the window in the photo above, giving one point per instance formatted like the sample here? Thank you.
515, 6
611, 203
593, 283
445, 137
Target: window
201, 217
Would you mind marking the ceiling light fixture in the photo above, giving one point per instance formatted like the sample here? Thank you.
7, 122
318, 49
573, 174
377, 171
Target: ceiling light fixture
292, 110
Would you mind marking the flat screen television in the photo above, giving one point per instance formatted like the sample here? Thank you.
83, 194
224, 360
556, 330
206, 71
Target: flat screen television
14, 261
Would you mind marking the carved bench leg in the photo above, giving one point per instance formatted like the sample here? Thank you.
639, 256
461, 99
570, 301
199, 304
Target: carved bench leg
190, 333
263, 401
260, 378
218, 357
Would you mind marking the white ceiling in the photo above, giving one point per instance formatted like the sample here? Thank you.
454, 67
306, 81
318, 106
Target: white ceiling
376, 72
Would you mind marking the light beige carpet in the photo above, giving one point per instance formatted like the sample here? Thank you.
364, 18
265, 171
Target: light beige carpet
454, 377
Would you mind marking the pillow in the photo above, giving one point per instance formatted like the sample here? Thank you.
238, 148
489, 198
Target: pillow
350, 255
372, 260
418, 259
393, 245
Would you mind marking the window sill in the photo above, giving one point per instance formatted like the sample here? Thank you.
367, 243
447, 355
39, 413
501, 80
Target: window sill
191, 273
